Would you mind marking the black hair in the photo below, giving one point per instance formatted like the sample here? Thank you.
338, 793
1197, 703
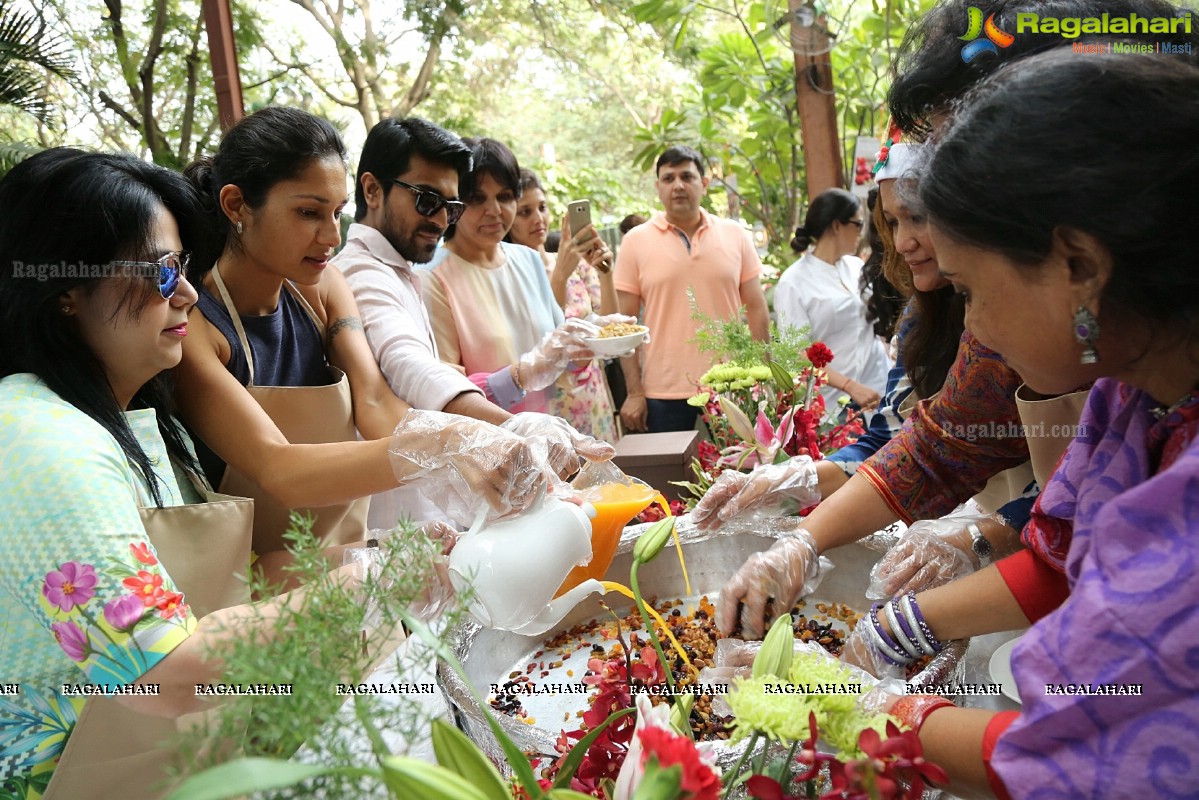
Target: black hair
1052, 165
528, 181
680, 153
933, 322
272, 145
831, 205
389, 148
490, 157
77, 211
885, 303
629, 222
930, 72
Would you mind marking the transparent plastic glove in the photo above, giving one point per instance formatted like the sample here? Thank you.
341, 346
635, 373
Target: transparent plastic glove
426, 553
542, 365
567, 447
772, 490
931, 553
860, 652
464, 464
784, 573
438, 593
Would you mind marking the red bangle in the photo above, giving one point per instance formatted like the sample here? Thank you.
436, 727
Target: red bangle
912, 709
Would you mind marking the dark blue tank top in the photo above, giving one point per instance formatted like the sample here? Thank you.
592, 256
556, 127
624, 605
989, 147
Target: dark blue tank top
286, 346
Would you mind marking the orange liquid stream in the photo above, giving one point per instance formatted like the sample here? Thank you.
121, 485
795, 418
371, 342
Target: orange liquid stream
618, 504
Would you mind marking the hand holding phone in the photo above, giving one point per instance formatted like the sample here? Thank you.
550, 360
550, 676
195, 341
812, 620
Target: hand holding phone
578, 213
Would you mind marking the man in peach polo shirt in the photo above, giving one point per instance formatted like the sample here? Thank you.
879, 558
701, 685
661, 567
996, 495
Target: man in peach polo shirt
683, 248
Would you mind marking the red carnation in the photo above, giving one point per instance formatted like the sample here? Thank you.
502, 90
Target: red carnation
819, 355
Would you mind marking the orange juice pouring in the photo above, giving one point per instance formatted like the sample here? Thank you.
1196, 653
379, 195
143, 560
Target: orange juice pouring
616, 503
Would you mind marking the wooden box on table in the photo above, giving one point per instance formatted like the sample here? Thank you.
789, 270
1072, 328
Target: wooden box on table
658, 458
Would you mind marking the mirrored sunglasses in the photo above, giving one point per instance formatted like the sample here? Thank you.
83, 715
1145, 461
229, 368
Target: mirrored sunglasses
171, 268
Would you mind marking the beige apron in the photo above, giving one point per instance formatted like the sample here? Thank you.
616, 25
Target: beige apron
305, 415
1050, 426
205, 548
1002, 488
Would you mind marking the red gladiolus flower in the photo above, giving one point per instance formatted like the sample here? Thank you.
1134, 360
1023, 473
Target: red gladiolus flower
147, 586
761, 787
819, 354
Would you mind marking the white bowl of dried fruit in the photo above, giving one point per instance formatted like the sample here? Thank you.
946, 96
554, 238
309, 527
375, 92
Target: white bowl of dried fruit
617, 339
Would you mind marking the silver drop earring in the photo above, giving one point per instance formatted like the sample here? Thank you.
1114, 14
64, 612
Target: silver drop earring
239, 227
1086, 331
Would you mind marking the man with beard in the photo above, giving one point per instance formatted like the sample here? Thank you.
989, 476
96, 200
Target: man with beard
405, 196
682, 253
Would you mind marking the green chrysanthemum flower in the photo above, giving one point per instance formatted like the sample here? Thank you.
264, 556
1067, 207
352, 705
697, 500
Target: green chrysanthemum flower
758, 706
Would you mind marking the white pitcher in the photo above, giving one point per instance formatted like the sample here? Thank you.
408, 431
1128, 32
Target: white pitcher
515, 566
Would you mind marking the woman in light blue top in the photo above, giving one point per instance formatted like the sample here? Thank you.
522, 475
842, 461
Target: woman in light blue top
92, 315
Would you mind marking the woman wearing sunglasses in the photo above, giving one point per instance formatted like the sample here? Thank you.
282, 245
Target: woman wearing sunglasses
277, 378
490, 303
118, 564
820, 291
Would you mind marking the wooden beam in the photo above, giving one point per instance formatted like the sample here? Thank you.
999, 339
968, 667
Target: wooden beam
817, 108
222, 50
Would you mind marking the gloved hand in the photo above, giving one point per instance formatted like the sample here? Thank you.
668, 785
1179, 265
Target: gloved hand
463, 462
931, 553
542, 365
859, 651
790, 569
771, 490
438, 592
567, 447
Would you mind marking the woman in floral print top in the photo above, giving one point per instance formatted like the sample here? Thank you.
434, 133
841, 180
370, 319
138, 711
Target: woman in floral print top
86, 439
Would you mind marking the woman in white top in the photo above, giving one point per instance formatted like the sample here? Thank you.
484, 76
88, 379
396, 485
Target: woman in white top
820, 291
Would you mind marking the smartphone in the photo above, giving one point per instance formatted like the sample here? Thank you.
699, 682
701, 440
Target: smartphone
579, 214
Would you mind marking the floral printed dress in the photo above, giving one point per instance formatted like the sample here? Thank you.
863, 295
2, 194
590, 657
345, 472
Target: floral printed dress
583, 398
84, 602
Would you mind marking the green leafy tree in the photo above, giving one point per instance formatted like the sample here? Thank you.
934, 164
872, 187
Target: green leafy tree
29, 49
145, 80
31, 55
742, 113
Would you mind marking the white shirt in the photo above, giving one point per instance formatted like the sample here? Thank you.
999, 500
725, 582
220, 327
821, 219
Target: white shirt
387, 291
825, 297
396, 324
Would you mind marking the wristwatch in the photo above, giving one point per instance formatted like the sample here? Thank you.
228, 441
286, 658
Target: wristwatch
980, 544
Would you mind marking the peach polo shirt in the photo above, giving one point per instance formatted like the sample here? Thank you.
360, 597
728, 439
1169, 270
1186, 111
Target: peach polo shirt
655, 263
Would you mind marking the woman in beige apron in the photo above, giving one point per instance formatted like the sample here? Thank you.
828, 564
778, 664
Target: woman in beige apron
205, 548
278, 186
94, 592
305, 415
